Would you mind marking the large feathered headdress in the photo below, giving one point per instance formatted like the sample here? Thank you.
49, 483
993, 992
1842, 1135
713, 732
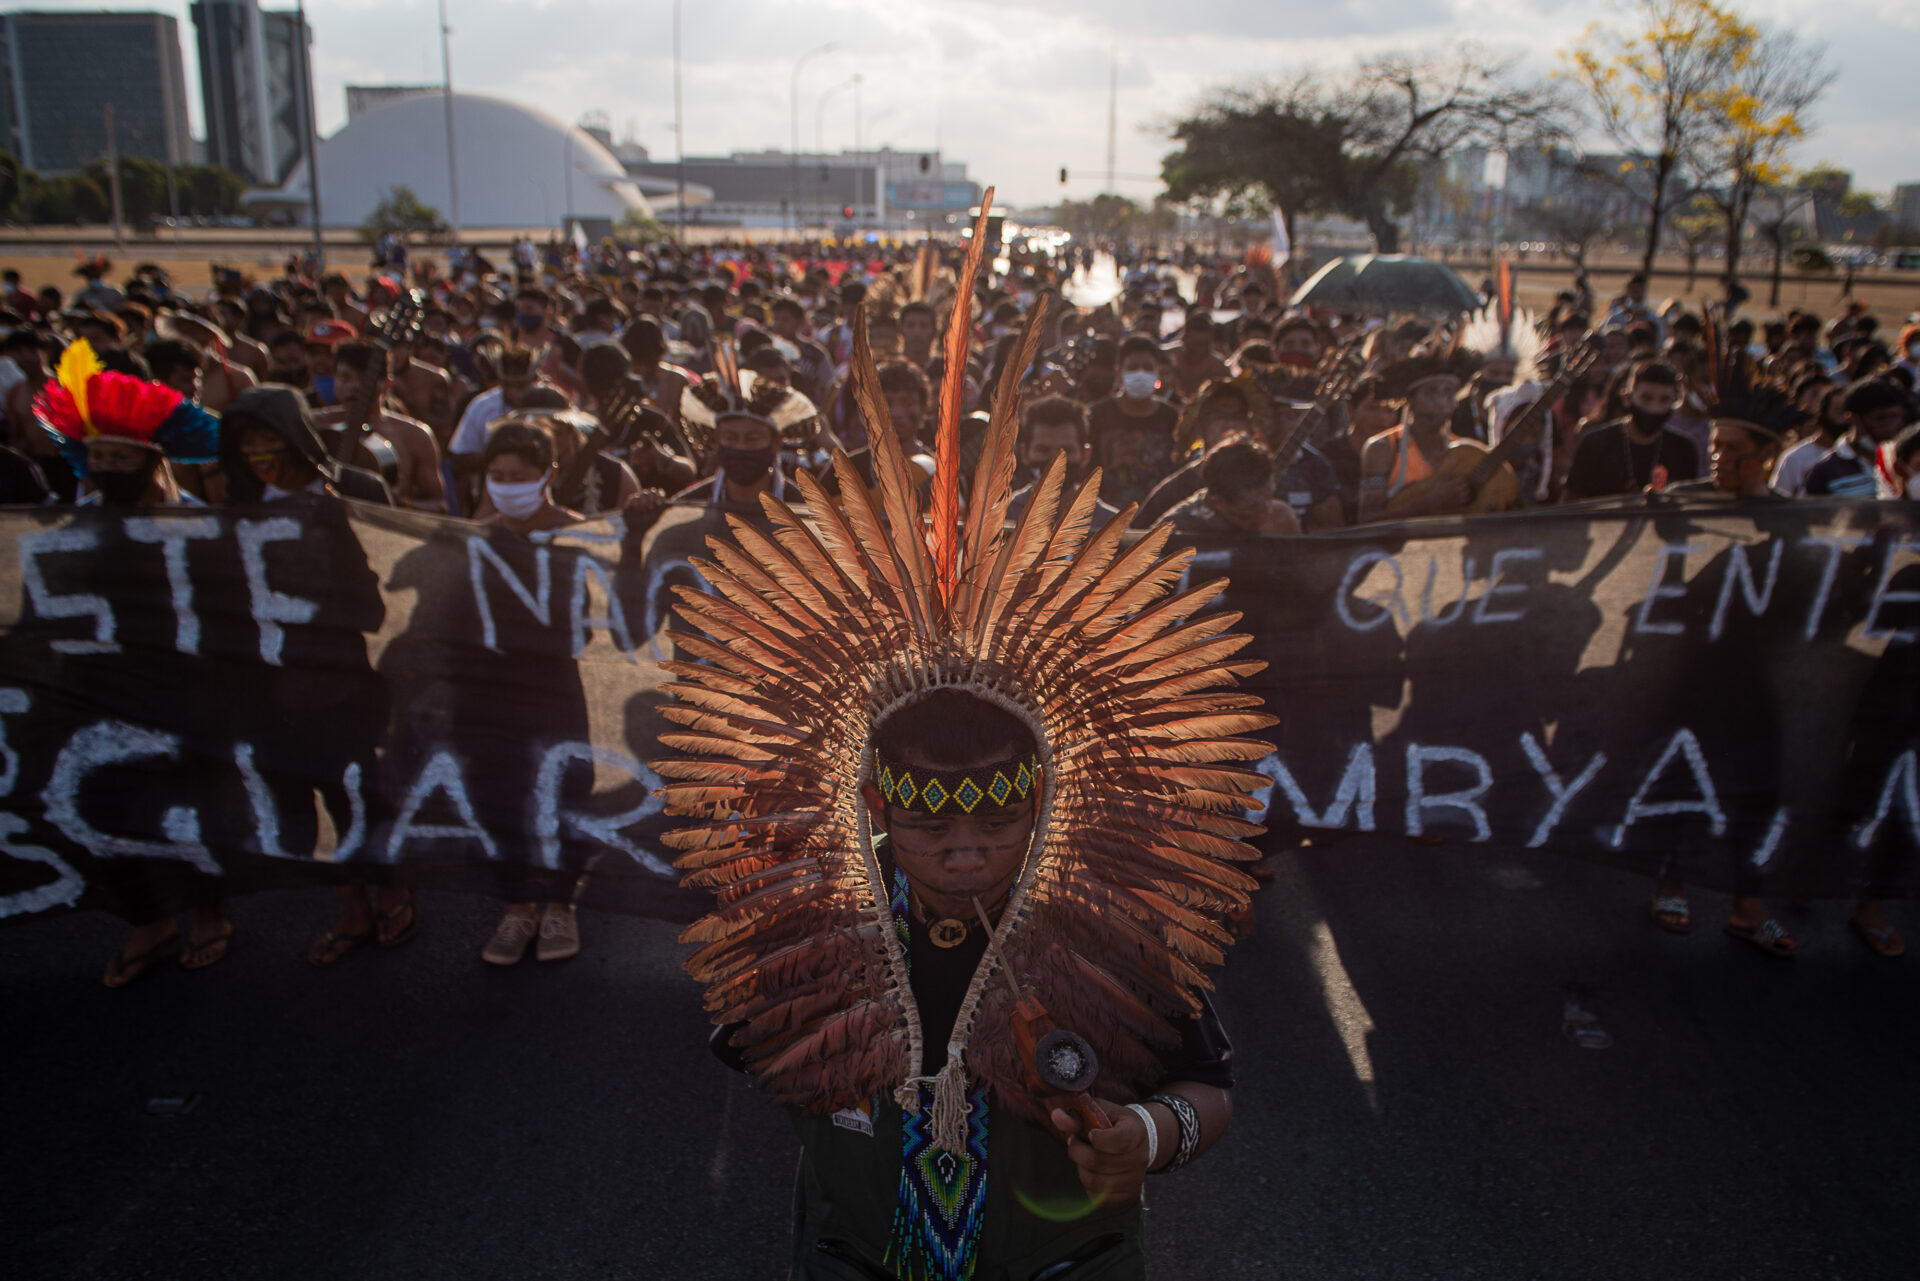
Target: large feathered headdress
819, 629
1514, 338
734, 392
1737, 392
84, 400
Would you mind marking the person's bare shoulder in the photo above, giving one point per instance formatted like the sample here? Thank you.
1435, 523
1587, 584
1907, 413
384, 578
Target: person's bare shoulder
406, 432
420, 369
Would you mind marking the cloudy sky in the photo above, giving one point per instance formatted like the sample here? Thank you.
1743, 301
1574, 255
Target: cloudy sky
1016, 89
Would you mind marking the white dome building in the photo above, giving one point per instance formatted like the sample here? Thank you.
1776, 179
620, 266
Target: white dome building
517, 168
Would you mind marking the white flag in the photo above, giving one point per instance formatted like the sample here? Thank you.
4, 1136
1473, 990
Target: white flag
580, 239
1282, 247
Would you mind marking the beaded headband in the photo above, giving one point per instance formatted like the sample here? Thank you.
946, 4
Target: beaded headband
931, 791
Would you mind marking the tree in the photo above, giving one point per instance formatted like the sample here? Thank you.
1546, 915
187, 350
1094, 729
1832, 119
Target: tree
1353, 147
1860, 204
1105, 217
1781, 217
1760, 113
400, 211
209, 191
1695, 223
639, 225
1658, 89
9, 182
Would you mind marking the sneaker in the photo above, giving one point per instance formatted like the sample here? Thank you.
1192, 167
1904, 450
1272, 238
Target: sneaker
559, 933
510, 938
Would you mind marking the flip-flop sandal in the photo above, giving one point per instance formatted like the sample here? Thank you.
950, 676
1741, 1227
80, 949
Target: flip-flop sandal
331, 948
208, 951
1671, 913
124, 969
1883, 939
1769, 936
389, 917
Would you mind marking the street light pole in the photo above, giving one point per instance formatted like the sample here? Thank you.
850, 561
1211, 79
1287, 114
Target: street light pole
446, 92
820, 108
679, 136
313, 141
793, 156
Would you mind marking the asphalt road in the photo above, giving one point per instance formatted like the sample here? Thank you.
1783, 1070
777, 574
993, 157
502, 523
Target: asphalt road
1407, 1105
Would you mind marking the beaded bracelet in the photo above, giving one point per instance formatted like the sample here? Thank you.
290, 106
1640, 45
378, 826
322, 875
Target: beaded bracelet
1189, 1118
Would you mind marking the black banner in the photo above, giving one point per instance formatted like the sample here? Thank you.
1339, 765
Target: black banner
289, 695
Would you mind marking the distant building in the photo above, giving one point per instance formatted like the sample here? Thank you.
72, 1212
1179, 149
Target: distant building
364, 98
1906, 208
518, 168
877, 190
252, 64
59, 70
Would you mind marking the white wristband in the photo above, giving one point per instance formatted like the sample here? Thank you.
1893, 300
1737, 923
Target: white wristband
1153, 1131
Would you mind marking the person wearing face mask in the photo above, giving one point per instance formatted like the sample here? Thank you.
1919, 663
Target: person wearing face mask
270, 449
1639, 452
122, 456
1133, 431
518, 368
1297, 345
746, 459
1815, 393
1877, 411
1051, 427
520, 470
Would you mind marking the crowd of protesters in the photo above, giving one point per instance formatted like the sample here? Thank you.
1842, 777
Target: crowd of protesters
560, 384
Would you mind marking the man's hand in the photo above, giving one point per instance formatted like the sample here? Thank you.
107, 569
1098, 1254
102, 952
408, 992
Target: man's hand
1113, 1161
646, 505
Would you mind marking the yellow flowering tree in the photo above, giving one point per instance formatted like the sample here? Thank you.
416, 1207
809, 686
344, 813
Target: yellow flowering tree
1659, 86
1760, 113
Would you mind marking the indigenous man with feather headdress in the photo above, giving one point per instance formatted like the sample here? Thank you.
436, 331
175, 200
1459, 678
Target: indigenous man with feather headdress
972, 796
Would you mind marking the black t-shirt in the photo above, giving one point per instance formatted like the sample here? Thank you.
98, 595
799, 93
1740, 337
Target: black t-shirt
1606, 461
1134, 452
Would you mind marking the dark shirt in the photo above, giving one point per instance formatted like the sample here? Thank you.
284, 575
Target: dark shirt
1133, 452
1707, 490
1606, 462
1843, 474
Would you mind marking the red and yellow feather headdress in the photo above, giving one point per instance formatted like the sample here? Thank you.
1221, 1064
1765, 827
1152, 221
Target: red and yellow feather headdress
821, 626
84, 400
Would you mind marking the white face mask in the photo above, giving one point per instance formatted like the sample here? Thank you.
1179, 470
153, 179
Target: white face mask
1138, 384
518, 501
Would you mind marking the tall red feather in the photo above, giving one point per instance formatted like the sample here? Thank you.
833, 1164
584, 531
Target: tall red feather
122, 405
953, 394
55, 409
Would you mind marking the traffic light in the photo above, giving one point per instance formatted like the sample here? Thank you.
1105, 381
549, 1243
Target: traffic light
846, 211
926, 163
1063, 175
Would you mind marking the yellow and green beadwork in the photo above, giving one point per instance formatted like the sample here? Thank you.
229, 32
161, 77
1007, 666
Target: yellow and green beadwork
957, 791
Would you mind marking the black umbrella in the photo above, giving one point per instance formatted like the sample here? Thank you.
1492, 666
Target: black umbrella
1382, 283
